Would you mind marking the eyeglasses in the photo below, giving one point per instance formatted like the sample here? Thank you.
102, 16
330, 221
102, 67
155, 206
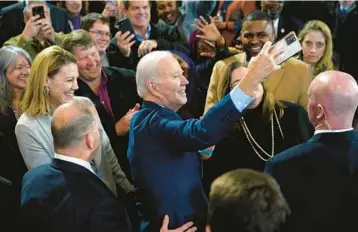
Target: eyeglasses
101, 33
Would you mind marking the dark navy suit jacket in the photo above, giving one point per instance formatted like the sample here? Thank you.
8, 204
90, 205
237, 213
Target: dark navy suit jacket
64, 196
320, 182
165, 164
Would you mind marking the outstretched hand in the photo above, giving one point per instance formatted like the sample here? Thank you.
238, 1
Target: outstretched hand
209, 30
187, 227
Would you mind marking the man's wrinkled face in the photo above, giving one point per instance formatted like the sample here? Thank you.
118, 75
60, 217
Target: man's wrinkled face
272, 8
254, 34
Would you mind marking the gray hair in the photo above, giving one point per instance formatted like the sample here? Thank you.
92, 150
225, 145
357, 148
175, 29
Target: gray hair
72, 132
147, 69
8, 55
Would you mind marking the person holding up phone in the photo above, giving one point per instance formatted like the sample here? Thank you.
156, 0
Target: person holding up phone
290, 83
137, 37
38, 32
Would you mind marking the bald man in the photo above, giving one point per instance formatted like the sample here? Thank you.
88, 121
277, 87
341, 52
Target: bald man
67, 195
320, 177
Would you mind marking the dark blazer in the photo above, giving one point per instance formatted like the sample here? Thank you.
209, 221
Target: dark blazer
166, 41
166, 167
12, 20
63, 196
320, 182
122, 92
287, 24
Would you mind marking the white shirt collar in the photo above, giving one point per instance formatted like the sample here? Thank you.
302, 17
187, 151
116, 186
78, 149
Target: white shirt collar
275, 25
74, 160
332, 131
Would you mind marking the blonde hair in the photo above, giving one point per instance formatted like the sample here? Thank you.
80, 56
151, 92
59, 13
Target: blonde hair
46, 64
325, 63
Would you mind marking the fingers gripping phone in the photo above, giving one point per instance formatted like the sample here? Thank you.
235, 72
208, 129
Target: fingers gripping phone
125, 25
38, 10
288, 46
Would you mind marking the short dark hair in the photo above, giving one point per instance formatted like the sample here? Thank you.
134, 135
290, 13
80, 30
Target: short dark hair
76, 39
247, 201
127, 2
257, 15
73, 132
88, 20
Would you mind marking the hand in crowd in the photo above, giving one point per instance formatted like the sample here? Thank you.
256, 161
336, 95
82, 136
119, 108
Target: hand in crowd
32, 27
209, 30
48, 31
146, 46
122, 126
259, 68
220, 24
187, 227
109, 10
125, 42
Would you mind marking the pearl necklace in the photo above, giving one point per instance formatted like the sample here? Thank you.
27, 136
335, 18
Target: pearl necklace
253, 142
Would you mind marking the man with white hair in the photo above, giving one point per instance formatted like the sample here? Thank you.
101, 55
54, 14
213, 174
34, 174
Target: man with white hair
165, 164
320, 177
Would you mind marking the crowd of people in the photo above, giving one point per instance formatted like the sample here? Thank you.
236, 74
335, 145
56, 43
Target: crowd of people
187, 120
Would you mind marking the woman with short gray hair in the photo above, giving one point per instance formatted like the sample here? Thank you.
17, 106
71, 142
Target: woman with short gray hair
14, 71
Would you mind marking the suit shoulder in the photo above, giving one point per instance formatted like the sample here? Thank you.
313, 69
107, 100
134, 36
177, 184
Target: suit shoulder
119, 72
27, 120
295, 152
293, 62
18, 7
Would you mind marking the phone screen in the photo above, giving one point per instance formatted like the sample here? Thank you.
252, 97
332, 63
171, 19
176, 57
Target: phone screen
288, 45
38, 10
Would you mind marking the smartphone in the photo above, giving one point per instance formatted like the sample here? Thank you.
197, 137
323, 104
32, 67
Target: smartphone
288, 45
38, 10
125, 25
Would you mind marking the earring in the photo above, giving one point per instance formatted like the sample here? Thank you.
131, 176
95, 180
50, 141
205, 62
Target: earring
47, 90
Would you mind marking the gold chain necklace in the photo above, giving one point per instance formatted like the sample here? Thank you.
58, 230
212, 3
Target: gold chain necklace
253, 142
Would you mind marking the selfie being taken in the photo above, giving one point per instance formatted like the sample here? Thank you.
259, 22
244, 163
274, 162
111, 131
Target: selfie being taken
178, 116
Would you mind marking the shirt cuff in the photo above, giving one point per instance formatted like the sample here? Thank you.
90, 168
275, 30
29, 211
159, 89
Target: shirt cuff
240, 99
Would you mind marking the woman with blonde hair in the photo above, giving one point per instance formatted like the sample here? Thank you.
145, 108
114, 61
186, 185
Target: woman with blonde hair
52, 82
267, 129
317, 46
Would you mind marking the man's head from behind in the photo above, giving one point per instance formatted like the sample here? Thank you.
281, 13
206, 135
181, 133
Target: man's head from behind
247, 201
82, 46
257, 29
332, 100
160, 79
98, 27
75, 129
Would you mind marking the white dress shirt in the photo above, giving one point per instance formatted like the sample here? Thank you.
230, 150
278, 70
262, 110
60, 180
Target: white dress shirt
74, 160
332, 131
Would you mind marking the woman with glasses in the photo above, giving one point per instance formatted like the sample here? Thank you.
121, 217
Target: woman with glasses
271, 127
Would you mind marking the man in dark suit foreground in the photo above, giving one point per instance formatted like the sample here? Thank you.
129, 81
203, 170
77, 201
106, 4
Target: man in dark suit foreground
247, 201
320, 177
66, 195
165, 164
